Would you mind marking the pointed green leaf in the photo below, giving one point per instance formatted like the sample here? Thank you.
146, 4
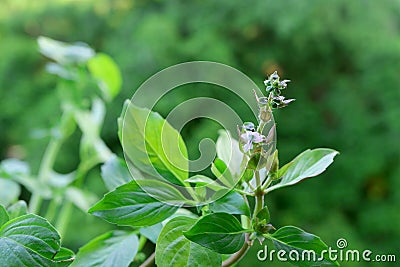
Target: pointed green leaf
308, 164
154, 146
220, 232
290, 238
28, 241
17, 209
115, 248
130, 205
232, 203
173, 249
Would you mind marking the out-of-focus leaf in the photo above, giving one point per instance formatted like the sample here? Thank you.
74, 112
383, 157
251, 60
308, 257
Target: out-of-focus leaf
64, 53
17, 209
9, 192
107, 73
13, 167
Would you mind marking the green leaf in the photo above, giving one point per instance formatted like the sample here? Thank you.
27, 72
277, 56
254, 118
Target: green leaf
229, 152
220, 232
154, 146
173, 249
232, 203
130, 205
310, 163
290, 238
115, 248
115, 173
17, 209
9, 192
221, 171
106, 72
3, 216
28, 241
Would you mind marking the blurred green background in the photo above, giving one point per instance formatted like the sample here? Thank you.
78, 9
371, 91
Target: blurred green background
343, 58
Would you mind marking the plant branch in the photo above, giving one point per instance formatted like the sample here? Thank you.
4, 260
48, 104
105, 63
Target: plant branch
67, 208
259, 194
149, 261
46, 165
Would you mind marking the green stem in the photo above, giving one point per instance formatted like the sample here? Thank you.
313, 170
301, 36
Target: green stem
259, 194
63, 218
46, 165
267, 182
51, 210
142, 242
243, 192
66, 210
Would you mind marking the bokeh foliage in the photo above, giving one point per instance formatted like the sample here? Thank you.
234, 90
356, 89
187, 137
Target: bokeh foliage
343, 58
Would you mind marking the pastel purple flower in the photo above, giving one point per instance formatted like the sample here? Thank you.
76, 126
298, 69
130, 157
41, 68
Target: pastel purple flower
249, 138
